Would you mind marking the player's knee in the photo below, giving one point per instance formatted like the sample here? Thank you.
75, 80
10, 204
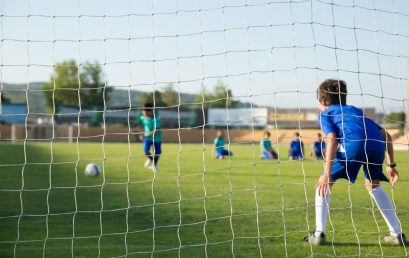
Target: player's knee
147, 153
370, 185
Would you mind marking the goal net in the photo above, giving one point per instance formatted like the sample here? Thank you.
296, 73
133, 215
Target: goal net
75, 76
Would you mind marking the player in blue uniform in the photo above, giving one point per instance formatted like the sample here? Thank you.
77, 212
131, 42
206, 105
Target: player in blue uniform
218, 150
353, 140
152, 137
296, 150
318, 148
267, 151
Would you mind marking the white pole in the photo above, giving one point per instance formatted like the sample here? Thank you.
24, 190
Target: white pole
70, 133
13, 133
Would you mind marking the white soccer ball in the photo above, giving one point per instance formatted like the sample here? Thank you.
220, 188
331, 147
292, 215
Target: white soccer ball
92, 170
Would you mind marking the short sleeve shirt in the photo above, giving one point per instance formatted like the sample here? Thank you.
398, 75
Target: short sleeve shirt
150, 125
296, 146
265, 144
355, 131
219, 143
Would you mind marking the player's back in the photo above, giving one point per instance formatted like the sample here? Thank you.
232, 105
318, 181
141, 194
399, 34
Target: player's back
353, 129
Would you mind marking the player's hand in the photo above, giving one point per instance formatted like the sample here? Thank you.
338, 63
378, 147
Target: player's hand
323, 186
393, 174
141, 137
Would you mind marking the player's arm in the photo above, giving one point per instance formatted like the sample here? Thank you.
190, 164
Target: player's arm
392, 172
312, 151
332, 145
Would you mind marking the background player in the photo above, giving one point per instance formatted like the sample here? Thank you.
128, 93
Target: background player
296, 150
267, 151
318, 147
218, 149
362, 144
152, 136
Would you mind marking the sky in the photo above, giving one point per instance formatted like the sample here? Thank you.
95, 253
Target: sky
268, 52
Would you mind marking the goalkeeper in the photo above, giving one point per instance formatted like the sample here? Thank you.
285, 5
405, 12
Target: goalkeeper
353, 140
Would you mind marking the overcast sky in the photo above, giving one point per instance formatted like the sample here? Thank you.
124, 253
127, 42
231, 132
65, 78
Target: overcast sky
268, 52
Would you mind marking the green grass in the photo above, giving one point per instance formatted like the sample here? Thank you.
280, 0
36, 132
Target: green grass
128, 210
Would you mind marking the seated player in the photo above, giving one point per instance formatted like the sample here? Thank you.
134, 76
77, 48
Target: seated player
218, 149
152, 136
318, 148
267, 151
362, 144
296, 150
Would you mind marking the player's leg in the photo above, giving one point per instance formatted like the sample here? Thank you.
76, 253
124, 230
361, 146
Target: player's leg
146, 148
373, 175
228, 153
340, 169
274, 155
157, 152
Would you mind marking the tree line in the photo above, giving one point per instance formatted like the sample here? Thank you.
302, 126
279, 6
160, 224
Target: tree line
71, 84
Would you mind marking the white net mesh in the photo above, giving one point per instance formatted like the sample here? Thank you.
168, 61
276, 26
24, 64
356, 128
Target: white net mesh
75, 74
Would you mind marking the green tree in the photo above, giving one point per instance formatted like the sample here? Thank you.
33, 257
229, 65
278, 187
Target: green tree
67, 78
147, 97
170, 97
221, 97
94, 92
396, 118
204, 97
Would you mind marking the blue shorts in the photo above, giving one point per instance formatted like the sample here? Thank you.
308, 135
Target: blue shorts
348, 167
266, 154
148, 143
223, 152
296, 155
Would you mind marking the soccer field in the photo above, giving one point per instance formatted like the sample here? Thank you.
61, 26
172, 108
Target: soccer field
195, 206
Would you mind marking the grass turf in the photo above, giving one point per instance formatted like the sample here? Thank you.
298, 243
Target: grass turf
195, 206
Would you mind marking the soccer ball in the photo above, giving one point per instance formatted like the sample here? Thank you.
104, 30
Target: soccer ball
92, 170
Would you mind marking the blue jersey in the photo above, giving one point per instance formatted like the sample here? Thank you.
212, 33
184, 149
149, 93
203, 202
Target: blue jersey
296, 147
319, 146
355, 132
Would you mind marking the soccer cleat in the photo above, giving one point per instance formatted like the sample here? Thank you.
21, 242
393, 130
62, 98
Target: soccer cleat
313, 240
154, 168
148, 163
396, 240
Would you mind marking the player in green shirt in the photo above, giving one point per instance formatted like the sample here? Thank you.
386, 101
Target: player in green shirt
267, 151
152, 137
218, 150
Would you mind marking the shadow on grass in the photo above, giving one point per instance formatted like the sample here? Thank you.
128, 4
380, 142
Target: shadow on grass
49, 207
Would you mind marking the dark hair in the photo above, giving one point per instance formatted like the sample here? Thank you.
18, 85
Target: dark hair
267, 132
297, 134
319, 134
332, 92
148, 106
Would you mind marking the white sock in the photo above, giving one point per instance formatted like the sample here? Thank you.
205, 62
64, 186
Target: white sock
321, 213
387, 210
